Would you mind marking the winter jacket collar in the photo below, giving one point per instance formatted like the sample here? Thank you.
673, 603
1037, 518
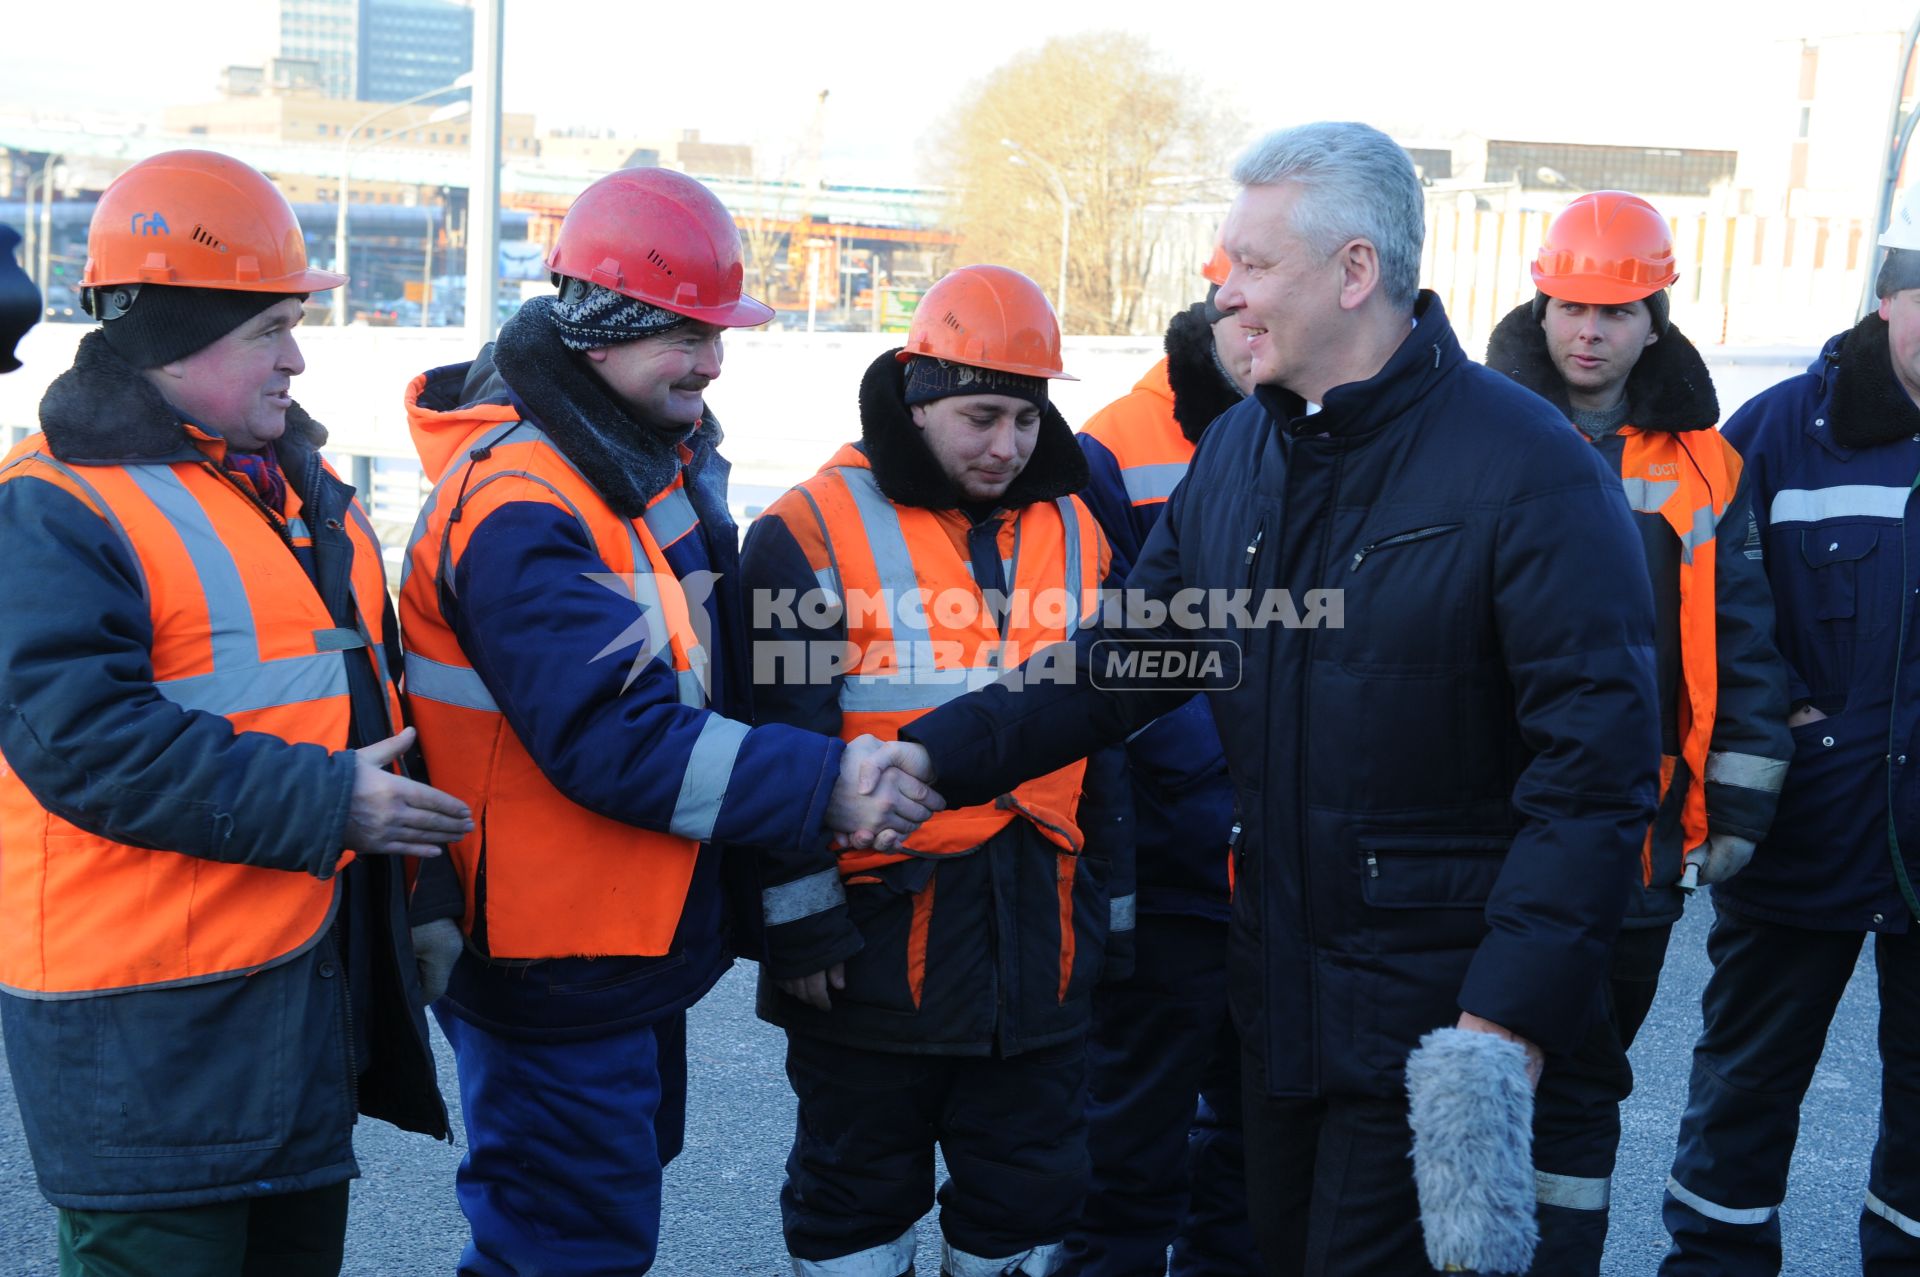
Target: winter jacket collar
1669, 389
1201, 392
103, 412
905, 468
1358, 409
627, 462
1869, 405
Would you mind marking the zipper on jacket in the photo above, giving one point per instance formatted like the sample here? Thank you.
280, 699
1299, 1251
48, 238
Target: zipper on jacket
1399, 538
274, 519
1252, 558
1373, 865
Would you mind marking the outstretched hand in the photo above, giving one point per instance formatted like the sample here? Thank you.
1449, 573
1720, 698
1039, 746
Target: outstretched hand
883, 793
391, 815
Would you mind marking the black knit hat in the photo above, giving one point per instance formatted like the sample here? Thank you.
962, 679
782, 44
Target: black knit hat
164, 322
928, 379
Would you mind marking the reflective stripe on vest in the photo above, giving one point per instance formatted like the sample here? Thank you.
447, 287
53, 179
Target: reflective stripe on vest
239, 632
560, 880
1689, 486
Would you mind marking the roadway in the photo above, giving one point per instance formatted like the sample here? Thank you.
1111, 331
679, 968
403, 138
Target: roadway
722, 1213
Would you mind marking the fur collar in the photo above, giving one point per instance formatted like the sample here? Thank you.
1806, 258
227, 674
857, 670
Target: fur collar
628, 462
906, 471
1870, 406
103, 411
1668, 390
1201, 392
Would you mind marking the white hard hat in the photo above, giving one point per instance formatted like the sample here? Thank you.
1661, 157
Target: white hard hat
1903, 231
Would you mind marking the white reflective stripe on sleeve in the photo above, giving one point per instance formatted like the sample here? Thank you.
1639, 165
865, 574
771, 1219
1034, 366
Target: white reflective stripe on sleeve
802, 898
1747, 771
1041, 1261
1571, 1192
1905, 1224
703, 787
889, 1260
448, 684
1120, 913
1747, 1217
1845, 501
1152, 482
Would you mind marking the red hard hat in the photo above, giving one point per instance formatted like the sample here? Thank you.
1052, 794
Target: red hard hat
1605, 248
199, 219
662, 238
988, 317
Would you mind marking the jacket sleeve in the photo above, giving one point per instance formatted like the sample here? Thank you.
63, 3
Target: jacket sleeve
1581, 663
803, 905
1743, 432
558, 651
1106, 822
1048, 712
94, 741
1751, 748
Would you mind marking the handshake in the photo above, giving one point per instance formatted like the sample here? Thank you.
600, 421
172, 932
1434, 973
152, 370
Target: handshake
883, 794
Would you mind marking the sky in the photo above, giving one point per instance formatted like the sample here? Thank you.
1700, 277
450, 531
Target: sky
1642, 72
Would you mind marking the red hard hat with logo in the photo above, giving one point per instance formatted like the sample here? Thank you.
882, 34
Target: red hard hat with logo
662, 238
1605, 248
199, 219
988, 317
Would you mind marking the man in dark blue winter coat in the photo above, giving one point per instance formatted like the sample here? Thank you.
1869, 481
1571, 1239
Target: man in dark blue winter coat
1439, 740
1833, 457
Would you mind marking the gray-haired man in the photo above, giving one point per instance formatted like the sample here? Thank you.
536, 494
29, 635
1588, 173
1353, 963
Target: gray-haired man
1444, 769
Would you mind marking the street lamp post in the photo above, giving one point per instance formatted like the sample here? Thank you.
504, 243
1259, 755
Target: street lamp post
347, 151
1024, 157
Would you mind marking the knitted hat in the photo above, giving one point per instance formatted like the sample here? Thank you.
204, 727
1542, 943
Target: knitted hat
164, 322
590, 316
929, 379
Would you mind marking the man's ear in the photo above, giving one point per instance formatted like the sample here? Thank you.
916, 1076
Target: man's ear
1359, 273
598, 354
919, 414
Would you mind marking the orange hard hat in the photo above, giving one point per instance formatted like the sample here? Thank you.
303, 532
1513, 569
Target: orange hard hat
659, 237
1605, 248
1217, 267
199, 219
988, 317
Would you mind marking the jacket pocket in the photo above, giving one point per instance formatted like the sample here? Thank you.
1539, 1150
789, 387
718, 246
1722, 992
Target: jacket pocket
1396, 539
207, 1069
1430, 871
1845, 564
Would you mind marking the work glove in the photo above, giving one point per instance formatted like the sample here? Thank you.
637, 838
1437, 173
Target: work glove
1724, 856
436, 947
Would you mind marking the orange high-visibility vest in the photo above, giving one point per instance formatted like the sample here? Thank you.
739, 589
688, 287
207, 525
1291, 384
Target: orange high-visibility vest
238, 631
561, 881
1687, 479
1146, 441
920, 634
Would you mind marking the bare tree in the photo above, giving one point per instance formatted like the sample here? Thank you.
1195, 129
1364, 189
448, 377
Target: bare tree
1100, 117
